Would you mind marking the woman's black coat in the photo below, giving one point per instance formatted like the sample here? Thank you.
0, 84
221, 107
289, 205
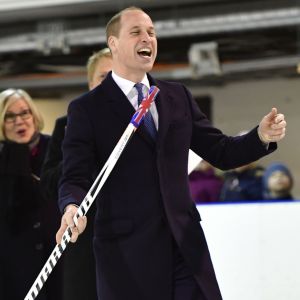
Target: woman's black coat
27, 222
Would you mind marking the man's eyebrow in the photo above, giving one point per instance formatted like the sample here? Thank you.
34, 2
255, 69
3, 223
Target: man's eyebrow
138, 27
134, 27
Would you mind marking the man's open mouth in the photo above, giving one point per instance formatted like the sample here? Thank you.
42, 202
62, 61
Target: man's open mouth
145, 52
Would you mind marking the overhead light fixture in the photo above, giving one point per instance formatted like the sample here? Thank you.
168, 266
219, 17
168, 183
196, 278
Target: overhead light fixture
240, 21
204, 60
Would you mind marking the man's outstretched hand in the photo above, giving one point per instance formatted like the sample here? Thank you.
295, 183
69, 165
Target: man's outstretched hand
272, 127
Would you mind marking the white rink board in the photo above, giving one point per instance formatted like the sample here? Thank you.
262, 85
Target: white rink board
255, 248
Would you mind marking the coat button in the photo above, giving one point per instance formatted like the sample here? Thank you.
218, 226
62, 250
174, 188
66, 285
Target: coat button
39, 246
36, 225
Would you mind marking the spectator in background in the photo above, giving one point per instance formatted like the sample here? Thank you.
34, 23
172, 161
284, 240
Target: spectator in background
27, 222
277, 182
205, 185
243, 183
78, 259
98, 66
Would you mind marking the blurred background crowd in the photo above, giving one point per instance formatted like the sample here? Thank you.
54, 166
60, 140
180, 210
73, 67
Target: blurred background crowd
251, 182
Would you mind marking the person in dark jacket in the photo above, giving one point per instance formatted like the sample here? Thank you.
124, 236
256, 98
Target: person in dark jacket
78, 259
27, 221
277, 182
148, 241
243, 184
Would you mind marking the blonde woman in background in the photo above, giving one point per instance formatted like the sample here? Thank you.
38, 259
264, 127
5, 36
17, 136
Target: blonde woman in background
26, 234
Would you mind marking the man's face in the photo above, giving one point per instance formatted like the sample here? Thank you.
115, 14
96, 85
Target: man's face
103, 66
134, 50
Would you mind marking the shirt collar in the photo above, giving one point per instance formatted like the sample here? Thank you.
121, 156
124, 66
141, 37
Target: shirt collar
126, 85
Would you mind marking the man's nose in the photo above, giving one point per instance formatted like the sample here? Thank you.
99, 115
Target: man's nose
146, 37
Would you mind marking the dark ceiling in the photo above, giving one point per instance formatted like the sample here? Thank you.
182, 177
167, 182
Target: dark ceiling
48, 47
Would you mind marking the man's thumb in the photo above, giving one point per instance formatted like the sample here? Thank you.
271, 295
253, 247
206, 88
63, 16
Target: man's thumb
271, 115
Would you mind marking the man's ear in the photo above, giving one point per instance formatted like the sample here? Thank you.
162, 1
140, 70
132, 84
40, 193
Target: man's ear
111, 42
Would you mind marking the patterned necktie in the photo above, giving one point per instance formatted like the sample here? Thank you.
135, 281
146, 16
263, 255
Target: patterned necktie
148, 120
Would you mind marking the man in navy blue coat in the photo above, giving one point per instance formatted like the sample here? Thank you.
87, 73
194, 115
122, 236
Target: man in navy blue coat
148, 241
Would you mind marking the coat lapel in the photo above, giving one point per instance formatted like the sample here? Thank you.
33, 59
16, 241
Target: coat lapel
117, 100
163, 105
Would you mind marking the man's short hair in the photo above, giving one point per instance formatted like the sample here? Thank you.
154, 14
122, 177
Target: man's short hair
113, 25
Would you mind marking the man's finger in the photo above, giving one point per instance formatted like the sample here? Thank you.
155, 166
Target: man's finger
60, 233
279, 125
75, 234
82, 221
68, 216
272, 114
279, 118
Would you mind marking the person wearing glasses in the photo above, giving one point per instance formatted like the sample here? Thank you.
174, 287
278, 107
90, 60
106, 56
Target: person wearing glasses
26, 231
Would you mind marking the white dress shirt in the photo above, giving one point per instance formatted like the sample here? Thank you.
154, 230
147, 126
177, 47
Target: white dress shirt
130, 92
